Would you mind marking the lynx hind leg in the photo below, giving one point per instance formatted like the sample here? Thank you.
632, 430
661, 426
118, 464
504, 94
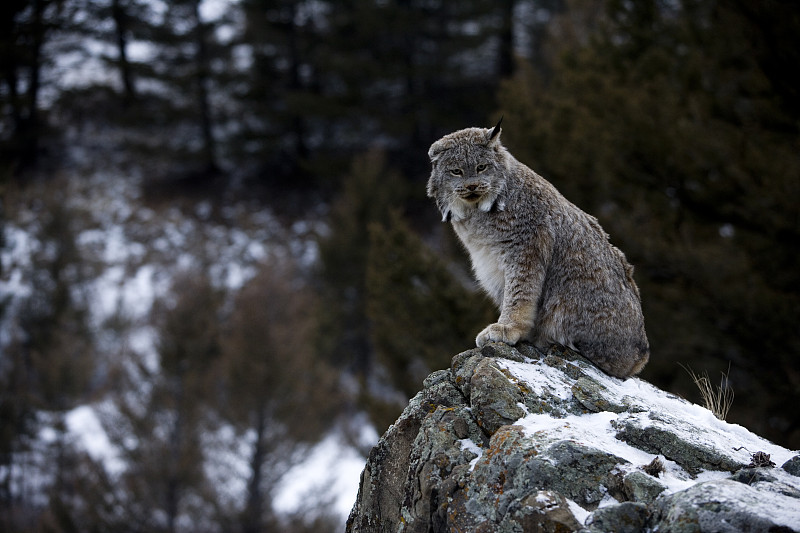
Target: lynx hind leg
637, 367
621, 360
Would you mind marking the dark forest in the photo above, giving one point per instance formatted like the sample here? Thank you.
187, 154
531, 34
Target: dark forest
294, 135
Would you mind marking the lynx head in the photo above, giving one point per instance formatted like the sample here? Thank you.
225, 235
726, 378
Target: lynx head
469, 168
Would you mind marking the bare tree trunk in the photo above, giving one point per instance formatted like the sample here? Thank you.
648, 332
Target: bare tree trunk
296, 85
26, 126
253, 513
505, 63
174, 486
121, 28
203, 101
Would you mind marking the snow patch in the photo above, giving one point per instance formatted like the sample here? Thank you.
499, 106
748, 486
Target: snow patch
469, 445
540, 378
331, 472
578, 512
659, 408
84, 424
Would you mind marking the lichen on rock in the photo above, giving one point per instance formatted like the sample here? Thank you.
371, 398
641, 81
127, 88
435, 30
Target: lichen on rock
512, 440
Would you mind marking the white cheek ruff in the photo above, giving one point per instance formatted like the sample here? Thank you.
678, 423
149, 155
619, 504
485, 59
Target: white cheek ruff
488, 203
458, 209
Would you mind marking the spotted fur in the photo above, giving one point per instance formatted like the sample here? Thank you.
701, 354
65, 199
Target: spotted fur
547, 265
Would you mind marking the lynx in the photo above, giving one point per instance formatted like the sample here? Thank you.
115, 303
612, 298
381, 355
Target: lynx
547, 265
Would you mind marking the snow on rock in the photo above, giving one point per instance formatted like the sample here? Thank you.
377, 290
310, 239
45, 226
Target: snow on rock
510, 439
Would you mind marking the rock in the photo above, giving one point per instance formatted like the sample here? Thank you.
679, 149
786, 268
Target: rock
512, 440
581, 473
434, 455
381, 496
626, 517
593, 396
544, 511
792, 465
495, 400
662, 439
463, 366
639, 487
502, 351
727, 506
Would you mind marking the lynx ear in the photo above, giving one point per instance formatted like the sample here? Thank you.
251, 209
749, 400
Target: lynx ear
494, 135
435, 152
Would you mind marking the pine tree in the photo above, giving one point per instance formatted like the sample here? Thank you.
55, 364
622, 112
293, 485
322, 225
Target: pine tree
370, 190
420, 313
673, 125
24, 31
415, 69
185, 84
279, 393
161, 413
280, 90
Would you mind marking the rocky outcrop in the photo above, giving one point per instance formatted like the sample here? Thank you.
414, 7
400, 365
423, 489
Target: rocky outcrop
512, 440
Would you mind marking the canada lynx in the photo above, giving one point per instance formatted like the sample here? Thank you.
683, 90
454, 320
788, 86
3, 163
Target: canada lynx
546, 264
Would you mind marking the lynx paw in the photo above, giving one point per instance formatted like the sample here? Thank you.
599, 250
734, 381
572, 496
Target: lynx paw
497, 332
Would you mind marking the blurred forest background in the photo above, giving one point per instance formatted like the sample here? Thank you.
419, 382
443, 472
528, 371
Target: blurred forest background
215, 235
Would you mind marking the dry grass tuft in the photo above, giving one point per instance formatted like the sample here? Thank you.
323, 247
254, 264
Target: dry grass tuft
718, 399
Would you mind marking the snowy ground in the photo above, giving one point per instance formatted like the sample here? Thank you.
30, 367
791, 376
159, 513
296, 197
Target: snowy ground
692, 423
330, 473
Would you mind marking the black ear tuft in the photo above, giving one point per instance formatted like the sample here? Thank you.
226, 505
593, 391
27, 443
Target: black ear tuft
496, 129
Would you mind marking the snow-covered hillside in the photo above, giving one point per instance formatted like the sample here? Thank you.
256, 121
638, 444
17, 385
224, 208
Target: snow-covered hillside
126, 255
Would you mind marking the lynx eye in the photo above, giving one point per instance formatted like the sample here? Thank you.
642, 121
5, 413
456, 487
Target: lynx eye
456, 171
481, 167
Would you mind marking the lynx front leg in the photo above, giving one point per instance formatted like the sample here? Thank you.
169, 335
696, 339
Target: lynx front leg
497, 332
516, 317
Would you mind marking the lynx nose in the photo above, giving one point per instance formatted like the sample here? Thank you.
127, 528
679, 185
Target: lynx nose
471, 187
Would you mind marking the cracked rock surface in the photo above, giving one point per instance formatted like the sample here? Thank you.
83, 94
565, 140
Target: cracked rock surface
512, 440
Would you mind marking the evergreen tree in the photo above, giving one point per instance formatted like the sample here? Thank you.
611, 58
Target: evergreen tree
112, 27
281, 90
181, 89
24, 30
414, 69
331, 78
420, 313
279, 393
673, 125
370, 191
161, 413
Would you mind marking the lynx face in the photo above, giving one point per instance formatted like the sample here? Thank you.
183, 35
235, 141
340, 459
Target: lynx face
468, 173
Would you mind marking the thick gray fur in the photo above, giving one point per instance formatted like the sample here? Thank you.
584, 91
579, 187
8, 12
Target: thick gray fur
546, 264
